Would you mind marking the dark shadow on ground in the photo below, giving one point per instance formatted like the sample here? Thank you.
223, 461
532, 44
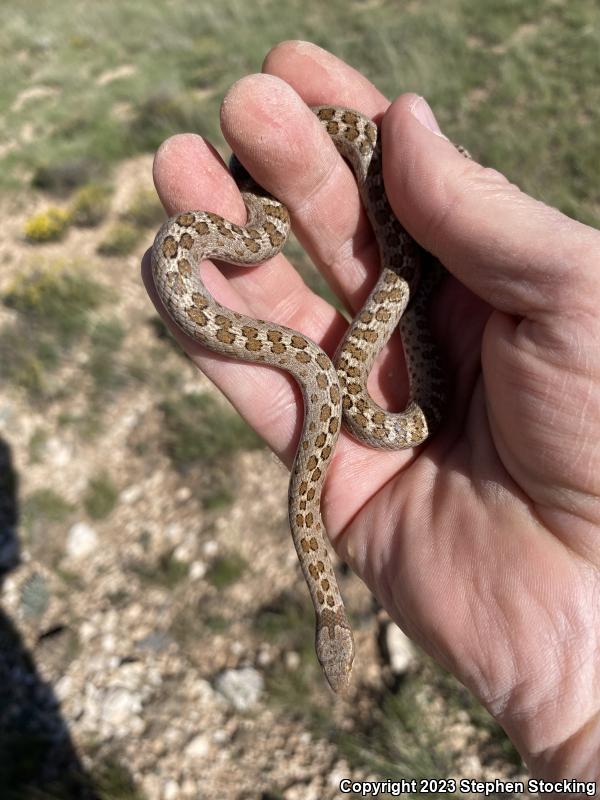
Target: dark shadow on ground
37, 758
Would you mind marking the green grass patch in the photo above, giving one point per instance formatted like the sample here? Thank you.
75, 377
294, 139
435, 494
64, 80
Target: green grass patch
162, 112
112, 781
217, 498
58, 296
90, 205
64, 176
57, 307
106, 339
194, 625
226, 570
394, 735
144, 210
120, 240
72, 580
403, 738
199, 430
119, 599
167, 571
495, 73
216, 623
289, 623
27, 360
100, 497
36, 445
44, 519
400, 740
43, 507
286, 619
87, 425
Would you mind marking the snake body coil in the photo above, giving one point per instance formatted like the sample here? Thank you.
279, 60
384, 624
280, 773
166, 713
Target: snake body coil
328, 392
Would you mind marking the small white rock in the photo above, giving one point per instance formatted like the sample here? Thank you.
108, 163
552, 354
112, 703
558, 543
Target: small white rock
58, 453
210, 548
63, 688
189, 789
172, 736
242, 687
197, 570
86, 631
82, 540
400, 648
171, 790
221, 736
182, 552
129, 495
264, 657
198, 748
292, 660
118, 706
174, 531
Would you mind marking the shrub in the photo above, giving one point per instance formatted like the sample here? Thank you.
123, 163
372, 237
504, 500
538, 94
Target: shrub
90, 205
121, 240
144, 210
48, 225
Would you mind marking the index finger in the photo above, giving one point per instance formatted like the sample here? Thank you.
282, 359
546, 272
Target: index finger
270, 128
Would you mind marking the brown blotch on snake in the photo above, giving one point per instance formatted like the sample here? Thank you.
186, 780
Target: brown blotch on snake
193, 236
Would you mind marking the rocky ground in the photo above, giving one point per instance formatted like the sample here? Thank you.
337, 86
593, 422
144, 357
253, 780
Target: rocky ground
156, 632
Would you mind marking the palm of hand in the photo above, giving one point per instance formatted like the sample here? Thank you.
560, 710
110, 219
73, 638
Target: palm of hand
476, 545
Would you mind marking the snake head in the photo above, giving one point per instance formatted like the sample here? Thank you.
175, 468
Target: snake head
335, 651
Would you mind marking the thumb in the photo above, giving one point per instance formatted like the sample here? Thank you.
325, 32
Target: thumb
514, 252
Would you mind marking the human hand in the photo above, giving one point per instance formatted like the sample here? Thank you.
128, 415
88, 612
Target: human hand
482, 544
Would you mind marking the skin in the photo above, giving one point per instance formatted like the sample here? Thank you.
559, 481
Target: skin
483, 544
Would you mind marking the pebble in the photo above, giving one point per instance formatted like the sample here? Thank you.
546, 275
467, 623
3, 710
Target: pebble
197, 570
63, 687
220, 736
82, 540
118, 705
131, 494
183, 493
58, 453
401, 650
292, 660
210, 548
183, 552
199, 747
174, 531
241, 687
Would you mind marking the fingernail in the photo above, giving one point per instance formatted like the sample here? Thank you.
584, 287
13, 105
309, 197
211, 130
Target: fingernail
421, 111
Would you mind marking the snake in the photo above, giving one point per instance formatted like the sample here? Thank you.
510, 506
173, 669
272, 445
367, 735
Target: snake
333, 391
